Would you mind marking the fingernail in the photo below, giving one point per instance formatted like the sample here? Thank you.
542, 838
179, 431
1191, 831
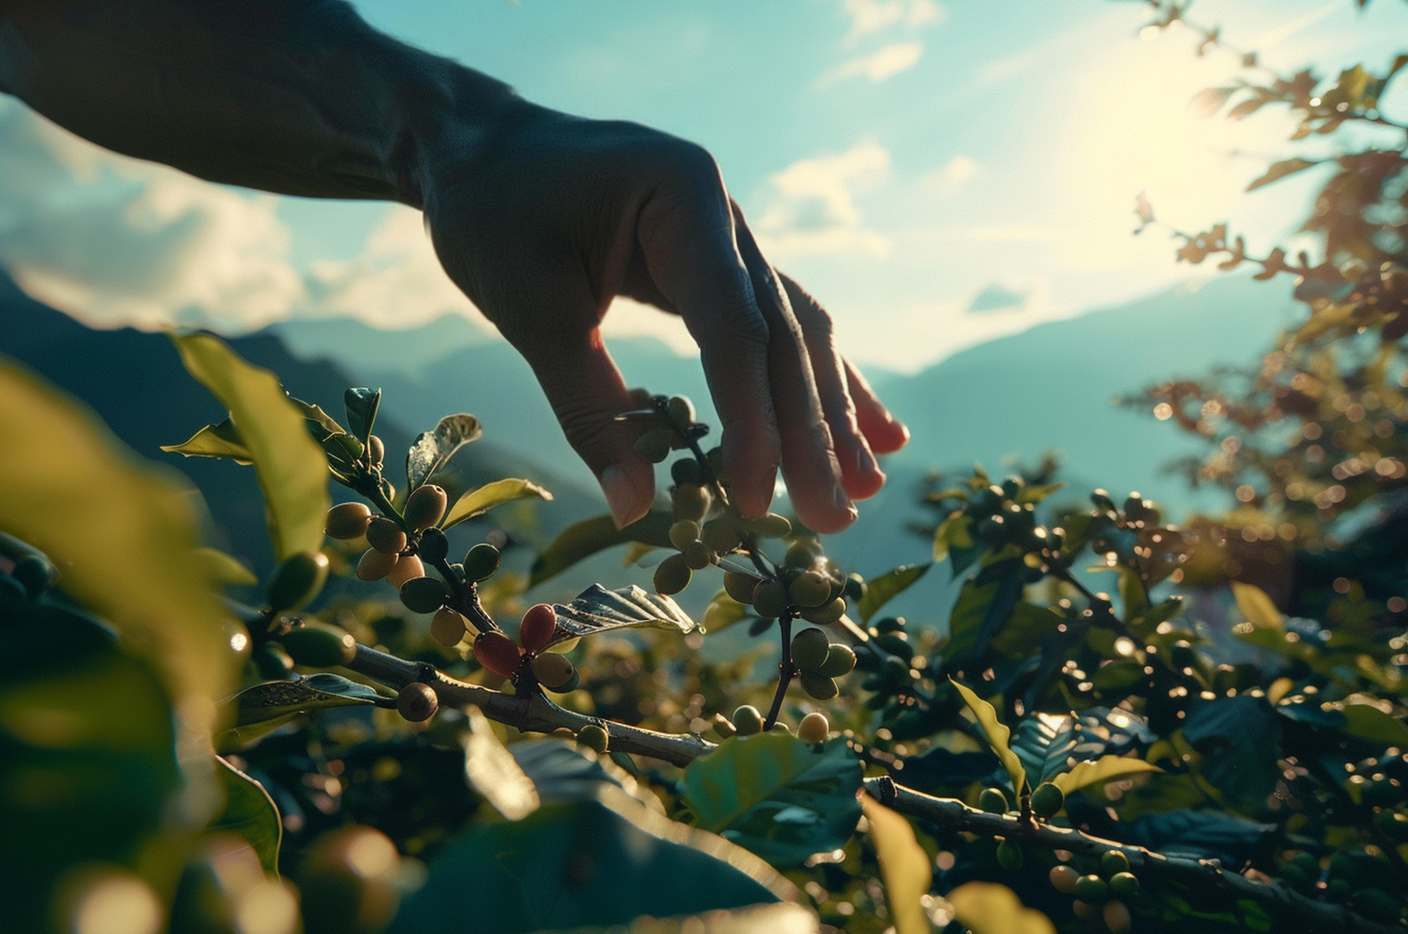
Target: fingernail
865, 460
627, 503
843, 502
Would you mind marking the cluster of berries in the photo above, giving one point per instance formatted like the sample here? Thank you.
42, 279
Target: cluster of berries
1101, 895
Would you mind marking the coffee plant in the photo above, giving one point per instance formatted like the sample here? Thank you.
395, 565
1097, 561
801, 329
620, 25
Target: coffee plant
1123, 723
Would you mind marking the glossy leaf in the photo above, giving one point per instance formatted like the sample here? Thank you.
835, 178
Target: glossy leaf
432, 451
1369, 723
984, 606
219, 440
492, 771
581, 540
597, 863
723, 611
562, 773
1256, 606
291, 468
776, 795
283, 700
1095, 772
480, 501
1044, 743
597, 609
884, 588
904, 866
226, 569
362, 405
989, 908
956, 531
996, 733
249, 813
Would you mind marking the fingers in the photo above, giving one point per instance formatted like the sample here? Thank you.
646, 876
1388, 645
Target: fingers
860, 474
809, 462
885, 433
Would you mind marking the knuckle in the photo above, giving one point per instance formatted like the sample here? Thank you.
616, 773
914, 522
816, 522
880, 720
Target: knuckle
744, 326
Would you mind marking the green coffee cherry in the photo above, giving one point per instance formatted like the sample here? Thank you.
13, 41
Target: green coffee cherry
1124, 885
273, 661
423, 595
1084, 910
386, 536
690, 501
828, 612
348, 882
434, 547
374, 564
1047, 799
417, 702
801, 554
993, 800
684, 533
554, 672
809, 649
376, 451
698, 555
723, 728
814, 728
855, 587
780, 727
1063, 878
594, 737
770, 599
817, 685
426, 506
769, 526
654, 445
840, 661
747, 720
481, 561
448, 627
318, 645
672, 575
686, 470
681, 411
809, 589
297, 579
1117, 918
1113, 862
348, 520
1009, 855
740, 586
720, 534
1092, 889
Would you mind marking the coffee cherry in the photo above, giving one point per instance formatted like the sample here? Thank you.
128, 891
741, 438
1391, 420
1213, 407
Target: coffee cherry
385, 535
840, 661
698, 555
684, 533
828, 612
481, 561
423, 594
747, 720
1092, 889
498, 653
769, 526
855, 587
780, 727
809, 589
770, 599
318, 645
417, 702
1117, 918
720, 534
818, 685
538, 627
297, 579
801, 554
740, 586
723, 727
690, 501
993, 800
686, 470
809, 649
273, 661
434, 547
374, 565
407, 567
641, 398
594, 737
1124, 885
814, 728
1084, 910
672, 575
1113, 862
426, 506
1009, 855
553, 671
348, 882
654, 445
448, 627
376, 451
347, 520
1046, 800
681, 411
1063, 879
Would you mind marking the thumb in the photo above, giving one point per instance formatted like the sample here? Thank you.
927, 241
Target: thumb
586, 392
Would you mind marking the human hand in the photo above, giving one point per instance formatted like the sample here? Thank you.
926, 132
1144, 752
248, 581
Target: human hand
547, 218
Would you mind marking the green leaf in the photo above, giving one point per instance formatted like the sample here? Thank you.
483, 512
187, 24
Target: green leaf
598, 863
319, 424
490, 495
1369, 723
1256, 606
250, 813
264, 706
904, 867
125, 533
581, 540
1036, 492
222, 440
881, 590
362, 405
996, 733
956, 531
1044, 742
225, 569
1279, 170
292, 470
989, 908
776, 795
563, 773
984, 606
1101, 770
723, 611
432, 451
491, 770
597, 609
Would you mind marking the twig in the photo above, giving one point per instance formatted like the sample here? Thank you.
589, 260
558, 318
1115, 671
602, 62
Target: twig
785, 670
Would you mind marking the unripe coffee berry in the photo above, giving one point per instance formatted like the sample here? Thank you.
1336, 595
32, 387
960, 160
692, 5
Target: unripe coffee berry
385, 535
840, 661
448, 627
690, 501
297, 579
720, 534
698, 555
376, 451
1113, 862
809, 649
374, 565
594, 737
1009, 855
318, 645
654, 445
814, 728
817, 685
348, 520
740, 586
426, 506
747, 720
993, 800
681, 411
672, 575
684, 533
498, 653
770, 599
1117, 917
423, 595
828, 612
434, 547
809, 589
481, 561
555, 672
1046, 800
1092, 889
538, 627
417, 702
407, 567
1124, 885
1063, 879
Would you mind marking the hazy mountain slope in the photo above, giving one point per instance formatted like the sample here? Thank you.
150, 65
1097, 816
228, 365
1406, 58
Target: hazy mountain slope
357, 346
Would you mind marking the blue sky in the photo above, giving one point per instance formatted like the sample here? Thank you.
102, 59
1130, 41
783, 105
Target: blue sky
935, 172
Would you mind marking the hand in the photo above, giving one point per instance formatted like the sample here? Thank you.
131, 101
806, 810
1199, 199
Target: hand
547, 218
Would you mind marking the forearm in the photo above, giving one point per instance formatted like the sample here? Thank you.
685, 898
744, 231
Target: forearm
292, 96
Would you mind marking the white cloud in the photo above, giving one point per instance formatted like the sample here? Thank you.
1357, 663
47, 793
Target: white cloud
810, 207
952, 175
881, 65
869, 16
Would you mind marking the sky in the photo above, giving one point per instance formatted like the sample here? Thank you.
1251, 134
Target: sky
936, 172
